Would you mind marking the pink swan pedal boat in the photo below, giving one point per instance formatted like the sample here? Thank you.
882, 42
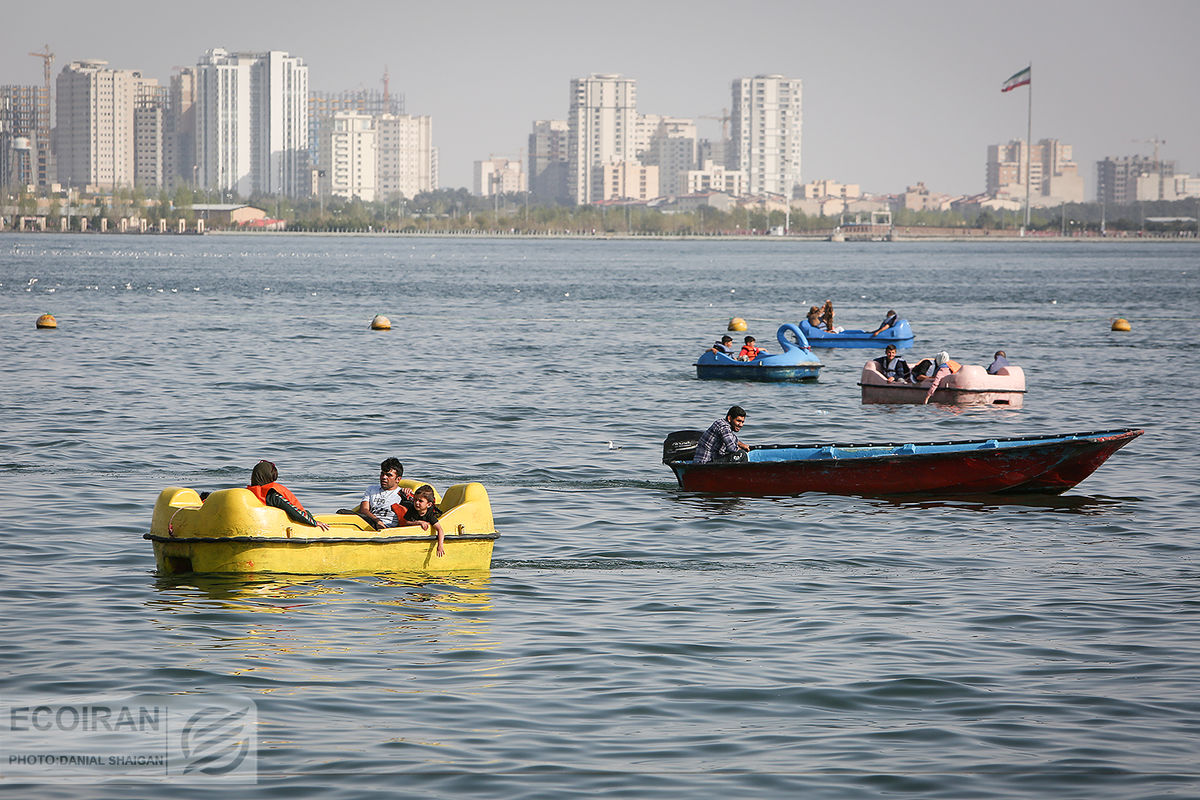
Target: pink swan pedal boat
970, 386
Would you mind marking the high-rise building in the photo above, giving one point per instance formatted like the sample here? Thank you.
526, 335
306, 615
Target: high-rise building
94, 140
1133, 178
498, 176
151, 118
548, 161
349, 156
766, 123
180, 144
709, 151
252, 122
672, 148
601, 129
1048, 166
407, 157
323, 105
25, 155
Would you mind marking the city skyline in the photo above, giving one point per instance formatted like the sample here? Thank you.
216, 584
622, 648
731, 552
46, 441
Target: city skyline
892, 95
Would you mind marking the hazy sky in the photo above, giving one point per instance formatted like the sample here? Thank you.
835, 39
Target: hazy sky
894, 93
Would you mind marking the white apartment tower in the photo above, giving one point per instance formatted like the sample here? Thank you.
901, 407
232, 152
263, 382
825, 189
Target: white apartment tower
95, 135
251, 122
407, 157
349, 152
601, 129
765, 130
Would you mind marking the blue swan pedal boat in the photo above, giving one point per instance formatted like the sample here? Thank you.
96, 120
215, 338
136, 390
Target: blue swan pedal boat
899, 334
795, 363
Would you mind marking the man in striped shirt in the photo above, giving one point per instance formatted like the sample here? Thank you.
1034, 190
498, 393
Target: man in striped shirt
720, 442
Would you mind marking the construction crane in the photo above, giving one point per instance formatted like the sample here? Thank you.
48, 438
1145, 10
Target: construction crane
44, 120
47, 59
1157, 164
723, 119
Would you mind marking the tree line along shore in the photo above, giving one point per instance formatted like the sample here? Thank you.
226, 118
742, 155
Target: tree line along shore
457, 212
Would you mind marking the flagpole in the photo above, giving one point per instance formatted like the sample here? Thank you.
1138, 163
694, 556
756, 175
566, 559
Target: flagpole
1028, 148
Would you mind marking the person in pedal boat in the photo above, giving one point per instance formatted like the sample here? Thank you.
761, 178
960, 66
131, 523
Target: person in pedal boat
265, 485
420, 510
377, 501
894, 368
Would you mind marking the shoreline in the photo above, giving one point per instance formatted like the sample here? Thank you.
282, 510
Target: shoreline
974, 236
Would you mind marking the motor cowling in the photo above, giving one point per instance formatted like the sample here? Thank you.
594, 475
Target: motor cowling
680, 446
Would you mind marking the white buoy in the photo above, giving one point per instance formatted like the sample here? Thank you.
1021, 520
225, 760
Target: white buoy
381, 323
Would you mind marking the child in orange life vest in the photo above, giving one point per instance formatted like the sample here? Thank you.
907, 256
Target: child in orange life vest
420, 510
750, 350
264, 484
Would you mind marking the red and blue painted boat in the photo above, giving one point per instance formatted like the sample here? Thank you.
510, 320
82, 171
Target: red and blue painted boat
1013, 465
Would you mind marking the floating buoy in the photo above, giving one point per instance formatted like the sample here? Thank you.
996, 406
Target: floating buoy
1121, 325
47, 321
737, 324
381, 323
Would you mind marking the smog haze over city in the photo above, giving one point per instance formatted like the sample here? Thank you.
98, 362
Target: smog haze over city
894, 93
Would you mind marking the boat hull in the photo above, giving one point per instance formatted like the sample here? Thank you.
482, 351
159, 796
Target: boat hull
231, 531
970, 386
758, 372
900, 335
322, 557
1043, 465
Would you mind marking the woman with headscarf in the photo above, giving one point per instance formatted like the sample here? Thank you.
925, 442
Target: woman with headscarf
943, 365
265, 485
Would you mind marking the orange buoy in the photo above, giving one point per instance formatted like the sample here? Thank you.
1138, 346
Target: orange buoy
381, 323
47, 321
1121, 325
737, 324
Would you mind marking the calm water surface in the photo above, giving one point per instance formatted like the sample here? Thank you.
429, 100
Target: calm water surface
631, 640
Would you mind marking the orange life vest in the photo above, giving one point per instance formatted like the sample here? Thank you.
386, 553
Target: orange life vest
261, 493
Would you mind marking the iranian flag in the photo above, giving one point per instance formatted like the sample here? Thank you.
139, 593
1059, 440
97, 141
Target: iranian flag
1022, 78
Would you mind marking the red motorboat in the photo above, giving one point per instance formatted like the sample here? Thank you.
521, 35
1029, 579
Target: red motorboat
1014, 465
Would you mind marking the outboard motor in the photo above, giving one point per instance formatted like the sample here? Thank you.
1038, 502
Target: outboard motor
680, 446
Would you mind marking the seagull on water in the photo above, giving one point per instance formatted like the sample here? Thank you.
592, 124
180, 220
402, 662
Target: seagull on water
612, 446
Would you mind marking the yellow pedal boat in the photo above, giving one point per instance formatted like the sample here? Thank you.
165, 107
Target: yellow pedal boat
232, 531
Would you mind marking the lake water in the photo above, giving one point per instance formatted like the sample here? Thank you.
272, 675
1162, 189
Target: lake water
631, 640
